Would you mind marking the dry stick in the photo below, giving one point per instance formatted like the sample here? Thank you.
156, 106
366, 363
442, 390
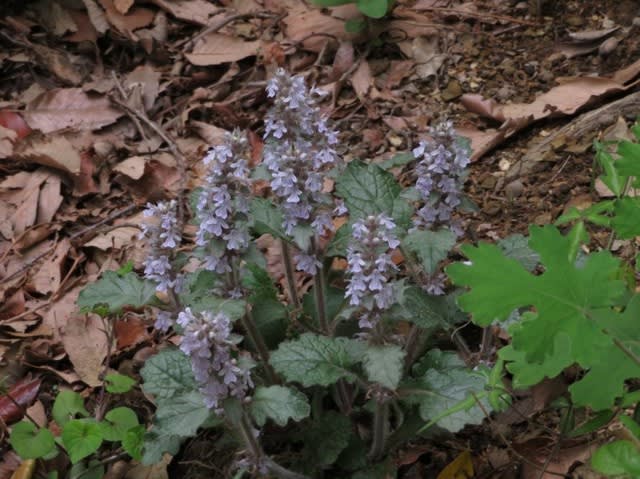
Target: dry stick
509, 446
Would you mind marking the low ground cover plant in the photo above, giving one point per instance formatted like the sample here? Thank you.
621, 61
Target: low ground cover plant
333, 368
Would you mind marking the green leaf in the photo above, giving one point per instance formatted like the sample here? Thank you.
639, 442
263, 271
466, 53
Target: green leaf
600, 420
118, 383
340, 241
117, 422
632, 426
428, 311
384, 364
279, 404
367, 190
81, 438
629, 162
373, 8
447, 394
625, 222
157, 443
267, 219
399, 159
355, 25
517, 247
68, 405
168, 374
611, 176
326, 438
30, 442
115, 292
567, 297
94, 470
431, 247
314, 360
182, 415
271, 319
133, 441
617, 458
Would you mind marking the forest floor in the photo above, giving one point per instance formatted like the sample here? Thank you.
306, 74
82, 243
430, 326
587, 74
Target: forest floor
106, 105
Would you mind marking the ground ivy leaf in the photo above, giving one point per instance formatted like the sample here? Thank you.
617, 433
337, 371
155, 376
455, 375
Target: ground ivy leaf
168, 374
314, 360
445, 387
567, 297
81, 438
182, 415
30, 442
616, 459
68, 404
326, 438
115, 292
384, 364
279, 404
431, 247
117, 422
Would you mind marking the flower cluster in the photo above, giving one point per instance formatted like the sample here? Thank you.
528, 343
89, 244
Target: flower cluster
440, 172
370, 267
163, 233
224, 203
208, 341
299, 149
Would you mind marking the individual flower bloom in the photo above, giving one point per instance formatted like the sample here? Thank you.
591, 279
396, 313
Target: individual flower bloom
440, 172
223, 203
164, 320
435, 284
299, 149
369, 267
208, 341
307, 263
163, 235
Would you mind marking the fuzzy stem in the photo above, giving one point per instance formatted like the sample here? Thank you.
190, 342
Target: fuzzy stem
380, 418
344, 396
320, 294
413, 340
289, 274
258, 341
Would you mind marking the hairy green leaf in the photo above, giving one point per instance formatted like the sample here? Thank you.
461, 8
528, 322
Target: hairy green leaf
181, 415
168, 374
384, 364
279, 404
326, 438
115, 292
431, 247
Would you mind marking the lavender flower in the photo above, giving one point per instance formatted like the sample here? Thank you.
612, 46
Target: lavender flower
441, 171
209, 343
224, 203
299, 149
164, 236
370, 267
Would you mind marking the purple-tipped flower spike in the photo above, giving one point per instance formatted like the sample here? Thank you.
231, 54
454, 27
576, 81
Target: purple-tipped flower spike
208, 341
370, 267
440, 171
163, 235
299, 148
223, 204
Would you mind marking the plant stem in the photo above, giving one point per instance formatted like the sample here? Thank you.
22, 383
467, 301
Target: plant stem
413, 340
625, 190
282, 472
380, 418
344, 397
258, 341
320, 294
289, 274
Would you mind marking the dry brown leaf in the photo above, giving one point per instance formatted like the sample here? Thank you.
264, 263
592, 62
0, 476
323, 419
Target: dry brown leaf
58, 63
86, 344
48, 276
427, 55
55, 317
137, 17
132, 167
302, 20
50, 199
12, 306
217, 48
130, 331
342, 61
398, 71
86, 30
34, 235
97, 16
123, 6
54, 151
54, 18
26, 213
362, 80
193, 11
7, 139
72, 108
212, 134
149, 80
116, 238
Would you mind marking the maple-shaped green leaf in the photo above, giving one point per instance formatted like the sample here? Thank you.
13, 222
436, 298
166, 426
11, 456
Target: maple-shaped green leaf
626, 221
114, 292
279, 404
567, 297
314, 360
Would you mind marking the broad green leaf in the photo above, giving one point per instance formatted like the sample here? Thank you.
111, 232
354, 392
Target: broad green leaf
447, 395
567, 298
629, 162
431, 247
133, 441
617, 458
334, 299
600, 420
118, 383
68, 405
428, 311
93, 470
271, 319
517, 247
81, 438
611, 176
325, 438
399, 159
340, 241
182, 415
367, 189
373, 8
279, 404
314, 360
626, 221
117, 422
384, 364
157, 443
266, 219
115, 292
168, 374
30, 442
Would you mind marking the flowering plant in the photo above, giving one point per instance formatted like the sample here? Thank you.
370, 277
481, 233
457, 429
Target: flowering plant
323, 362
